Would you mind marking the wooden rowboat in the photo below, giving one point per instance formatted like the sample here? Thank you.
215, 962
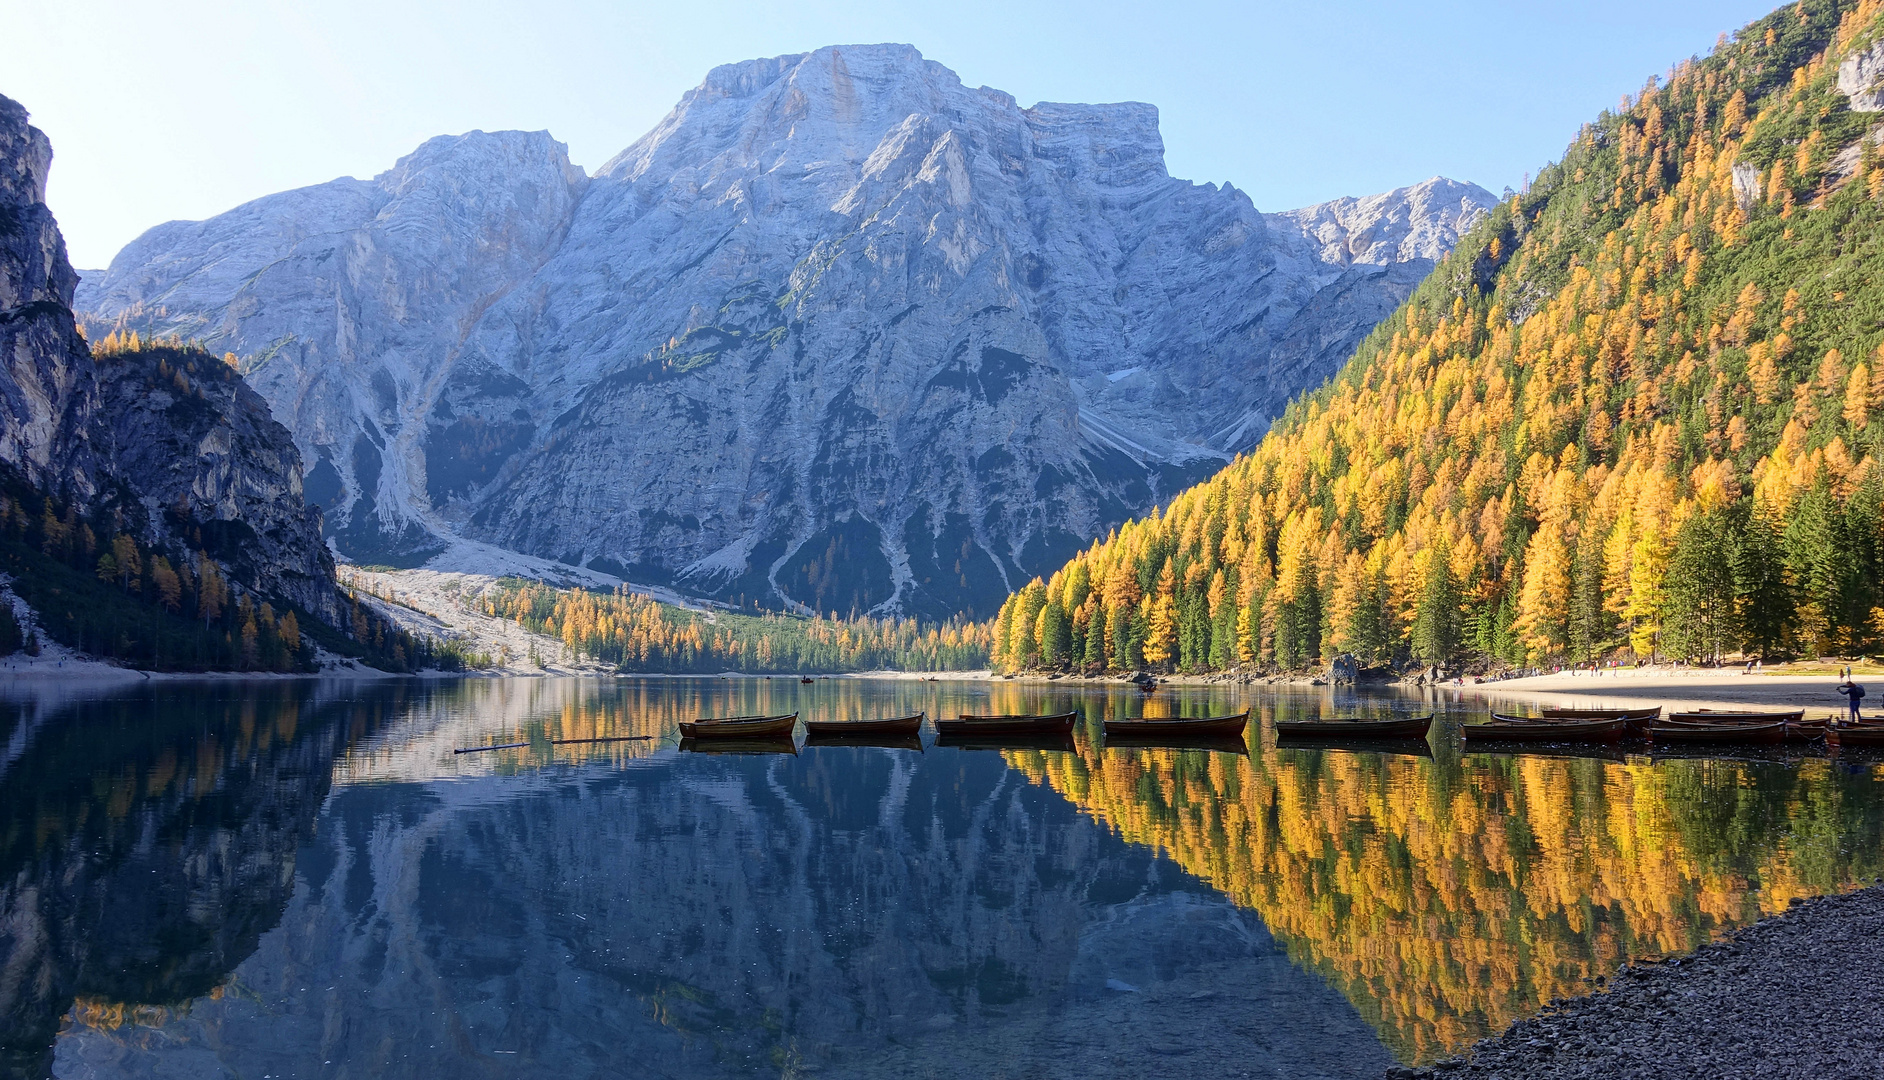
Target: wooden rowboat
899, 725
1731, 716
1531, 729
1600, 714
1414, 728
1058, 724
1769, 732
740, 727
1797, 729
1856, 735
1636, 720
1179, 726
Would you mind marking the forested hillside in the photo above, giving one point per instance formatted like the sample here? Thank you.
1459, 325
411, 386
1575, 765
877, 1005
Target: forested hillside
1636, 409
641, 635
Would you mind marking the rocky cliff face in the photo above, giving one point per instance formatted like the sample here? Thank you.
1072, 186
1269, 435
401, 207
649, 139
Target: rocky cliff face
46, 380
212, 468
839, 332
167, 443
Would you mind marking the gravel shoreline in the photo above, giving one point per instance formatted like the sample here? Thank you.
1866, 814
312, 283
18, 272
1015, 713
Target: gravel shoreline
1798, 995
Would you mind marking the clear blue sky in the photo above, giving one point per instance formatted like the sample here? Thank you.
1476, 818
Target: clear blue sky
184, 108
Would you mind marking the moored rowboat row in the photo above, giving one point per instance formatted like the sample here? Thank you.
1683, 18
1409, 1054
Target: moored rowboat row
1704, 726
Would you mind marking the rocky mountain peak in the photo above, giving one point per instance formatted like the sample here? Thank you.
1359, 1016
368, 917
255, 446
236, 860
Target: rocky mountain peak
1422, 221
839, 332
483, 157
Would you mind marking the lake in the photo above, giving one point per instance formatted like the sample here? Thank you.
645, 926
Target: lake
302, 879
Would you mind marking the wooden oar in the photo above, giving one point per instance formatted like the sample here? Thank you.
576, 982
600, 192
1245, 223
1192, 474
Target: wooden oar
554, 742
481, 749
606, 738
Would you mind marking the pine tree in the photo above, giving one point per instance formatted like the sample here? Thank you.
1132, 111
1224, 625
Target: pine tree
1436, 628
1095, 658
1591, 623
1698, 609
1763, 592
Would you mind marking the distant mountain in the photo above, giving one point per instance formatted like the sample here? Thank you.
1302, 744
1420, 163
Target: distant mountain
839, 332
1638, 412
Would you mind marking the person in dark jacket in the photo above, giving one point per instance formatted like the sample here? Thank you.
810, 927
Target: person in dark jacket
1853, 694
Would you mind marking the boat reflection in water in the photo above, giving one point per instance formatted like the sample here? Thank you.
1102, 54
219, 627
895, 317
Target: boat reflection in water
265, 880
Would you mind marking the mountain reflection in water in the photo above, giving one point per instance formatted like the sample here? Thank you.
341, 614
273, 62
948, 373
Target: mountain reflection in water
302, 878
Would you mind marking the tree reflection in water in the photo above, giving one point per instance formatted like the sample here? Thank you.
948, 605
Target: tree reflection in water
262, 878
1448, 897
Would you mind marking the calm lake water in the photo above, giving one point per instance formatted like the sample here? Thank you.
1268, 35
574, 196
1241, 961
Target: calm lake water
301, 879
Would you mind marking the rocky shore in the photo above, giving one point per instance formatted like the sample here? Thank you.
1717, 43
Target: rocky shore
1797, 995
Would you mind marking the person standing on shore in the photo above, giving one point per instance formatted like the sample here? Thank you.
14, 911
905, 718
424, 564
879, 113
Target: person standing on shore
1853, 694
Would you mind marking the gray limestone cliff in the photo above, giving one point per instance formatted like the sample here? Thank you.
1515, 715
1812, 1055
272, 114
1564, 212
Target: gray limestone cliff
167, 443
46, 382
840, 332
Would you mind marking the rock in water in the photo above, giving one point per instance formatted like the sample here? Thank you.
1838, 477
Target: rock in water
1343, 670
839, 332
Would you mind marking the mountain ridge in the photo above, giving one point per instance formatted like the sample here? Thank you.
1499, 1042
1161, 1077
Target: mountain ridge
1635, 413
867, 304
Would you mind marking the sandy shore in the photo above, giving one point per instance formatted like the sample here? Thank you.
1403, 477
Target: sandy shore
1692, 687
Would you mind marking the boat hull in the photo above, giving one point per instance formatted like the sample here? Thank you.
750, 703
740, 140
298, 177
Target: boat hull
1719, 734
1705, 716
1415, 728
1601, 714
740, 727
1179, 727
900, 725
1520, 730
997, 726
